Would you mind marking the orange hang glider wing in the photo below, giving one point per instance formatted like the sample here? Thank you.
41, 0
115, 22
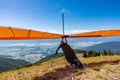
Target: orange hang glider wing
9, 33
100, 33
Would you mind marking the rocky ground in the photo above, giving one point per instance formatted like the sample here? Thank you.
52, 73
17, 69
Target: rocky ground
104, 70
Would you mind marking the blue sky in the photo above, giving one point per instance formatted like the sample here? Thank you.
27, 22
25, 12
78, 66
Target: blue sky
45, 15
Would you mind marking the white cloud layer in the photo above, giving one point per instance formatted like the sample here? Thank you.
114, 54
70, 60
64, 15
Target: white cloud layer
84, 44
77, 31
68, 31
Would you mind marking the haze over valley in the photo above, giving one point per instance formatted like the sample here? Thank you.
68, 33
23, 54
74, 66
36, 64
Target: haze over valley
35, 50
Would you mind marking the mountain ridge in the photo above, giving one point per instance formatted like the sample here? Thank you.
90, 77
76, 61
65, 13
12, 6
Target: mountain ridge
8, 64
112, 46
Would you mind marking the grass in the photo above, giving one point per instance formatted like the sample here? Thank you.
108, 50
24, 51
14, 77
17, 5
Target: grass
29, 73
105, 72
99, 59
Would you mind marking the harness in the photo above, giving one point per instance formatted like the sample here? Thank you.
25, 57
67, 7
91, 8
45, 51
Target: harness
69, 55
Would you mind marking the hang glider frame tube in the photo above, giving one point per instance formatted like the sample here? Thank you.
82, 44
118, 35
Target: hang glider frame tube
83, 36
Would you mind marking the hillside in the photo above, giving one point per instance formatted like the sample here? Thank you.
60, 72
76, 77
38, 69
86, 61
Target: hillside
95, 68
113, 46
8, 64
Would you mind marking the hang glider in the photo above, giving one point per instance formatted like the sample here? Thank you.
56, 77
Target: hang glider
9, 33
100, 33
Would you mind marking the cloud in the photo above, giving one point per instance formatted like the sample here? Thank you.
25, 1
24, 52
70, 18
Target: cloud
53, 31
17, 44
77, 31
29, 44
66, 31
84, 44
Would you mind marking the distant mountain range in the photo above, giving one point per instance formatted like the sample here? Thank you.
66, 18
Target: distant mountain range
8, 64
112, 46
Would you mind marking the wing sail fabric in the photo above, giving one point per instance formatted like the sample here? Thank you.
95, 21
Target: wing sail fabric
100, 33
8, 33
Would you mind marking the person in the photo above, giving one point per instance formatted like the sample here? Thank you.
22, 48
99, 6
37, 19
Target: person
70, 55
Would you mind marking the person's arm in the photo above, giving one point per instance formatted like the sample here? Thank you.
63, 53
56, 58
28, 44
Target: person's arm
57, 50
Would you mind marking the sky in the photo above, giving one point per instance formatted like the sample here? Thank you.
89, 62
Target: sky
45, 15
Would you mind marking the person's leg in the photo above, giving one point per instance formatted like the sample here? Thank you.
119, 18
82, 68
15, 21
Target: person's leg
78, 63
71, 64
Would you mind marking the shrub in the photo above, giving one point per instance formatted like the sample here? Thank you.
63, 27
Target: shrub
93, 53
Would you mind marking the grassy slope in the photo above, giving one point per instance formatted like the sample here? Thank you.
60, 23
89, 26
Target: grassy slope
104, 72
29, 73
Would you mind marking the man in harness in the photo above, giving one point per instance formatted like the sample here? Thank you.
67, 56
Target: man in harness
70, 55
